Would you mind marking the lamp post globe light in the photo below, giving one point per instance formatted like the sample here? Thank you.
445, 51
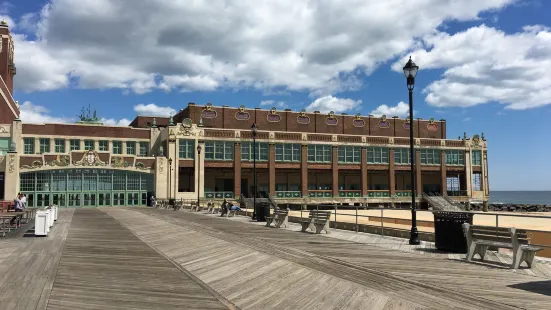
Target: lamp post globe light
198, 172
254, 131
410, 71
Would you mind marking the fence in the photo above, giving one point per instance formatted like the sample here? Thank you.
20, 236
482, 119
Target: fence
397, 222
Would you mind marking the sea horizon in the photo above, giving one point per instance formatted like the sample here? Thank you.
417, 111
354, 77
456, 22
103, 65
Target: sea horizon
520, 197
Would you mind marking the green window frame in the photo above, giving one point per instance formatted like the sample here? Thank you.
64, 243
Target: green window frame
144, 149
74, 145
89, 145
28, 145
402, 156
117, 147
44, 145
103, 145
219, 150
477, 158
319, 153
287, 152
377, 155
131, 147
247, 151
455, 157
430, 156
350, 154
186, 149
59, 145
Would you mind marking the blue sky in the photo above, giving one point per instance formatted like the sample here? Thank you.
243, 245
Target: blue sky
484, 64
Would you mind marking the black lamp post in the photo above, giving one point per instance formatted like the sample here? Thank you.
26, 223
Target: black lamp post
254, 131
410, 71
198, 172
169, 179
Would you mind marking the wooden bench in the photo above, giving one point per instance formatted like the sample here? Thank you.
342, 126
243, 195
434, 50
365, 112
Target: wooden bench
480, 238
280, 217
317, 221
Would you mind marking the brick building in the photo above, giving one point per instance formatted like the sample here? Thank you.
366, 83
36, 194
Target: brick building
301, 157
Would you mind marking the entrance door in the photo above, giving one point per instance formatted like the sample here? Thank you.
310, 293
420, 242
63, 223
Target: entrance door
74, 200
104, 199
59, 199
42, 200
244, 188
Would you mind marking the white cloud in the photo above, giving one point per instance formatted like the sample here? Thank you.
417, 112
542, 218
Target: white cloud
273, 103
337, 105
485, 65
401, 110
114, 122
31, 113
153, 110
322, 47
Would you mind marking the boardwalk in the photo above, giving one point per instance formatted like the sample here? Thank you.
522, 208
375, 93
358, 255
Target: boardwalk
156, 259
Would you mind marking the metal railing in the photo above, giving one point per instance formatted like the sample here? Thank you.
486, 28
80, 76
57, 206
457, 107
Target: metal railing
288, 194
361, 215
219, 195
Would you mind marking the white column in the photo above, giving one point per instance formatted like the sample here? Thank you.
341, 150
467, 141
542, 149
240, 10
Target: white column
468, 172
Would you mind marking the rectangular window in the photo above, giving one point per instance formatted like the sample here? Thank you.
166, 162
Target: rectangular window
287, 152
144, 149
430, 157
103, 145
247, 151
377, 155
186, 149
219, 150
74, 144
59, 145
44, 145
130, 147
4, 146
117, 147
477, 158
319, 153
477, 181
402, 157
455, 157
28, 145
350, 154
89, 145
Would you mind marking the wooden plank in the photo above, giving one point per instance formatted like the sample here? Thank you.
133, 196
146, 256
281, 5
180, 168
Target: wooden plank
378, 269
105, 266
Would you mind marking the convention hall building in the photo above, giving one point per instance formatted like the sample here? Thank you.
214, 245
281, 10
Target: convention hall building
302, 157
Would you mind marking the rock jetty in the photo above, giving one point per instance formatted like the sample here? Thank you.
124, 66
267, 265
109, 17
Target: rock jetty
507, 207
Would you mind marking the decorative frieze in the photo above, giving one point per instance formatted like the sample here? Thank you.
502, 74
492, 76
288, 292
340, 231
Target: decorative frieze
90, 158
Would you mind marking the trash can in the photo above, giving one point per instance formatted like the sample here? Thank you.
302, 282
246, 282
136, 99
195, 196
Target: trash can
448, 231
262, 211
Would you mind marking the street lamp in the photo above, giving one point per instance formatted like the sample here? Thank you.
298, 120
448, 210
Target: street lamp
254, 131
198, 172
169, 179
410, 71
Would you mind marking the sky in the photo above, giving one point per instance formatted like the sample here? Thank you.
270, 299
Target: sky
485, 65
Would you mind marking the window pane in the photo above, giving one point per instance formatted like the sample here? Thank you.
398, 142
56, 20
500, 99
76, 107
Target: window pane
88, 145
74, 144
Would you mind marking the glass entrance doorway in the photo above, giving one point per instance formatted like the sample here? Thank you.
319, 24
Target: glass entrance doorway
86, 188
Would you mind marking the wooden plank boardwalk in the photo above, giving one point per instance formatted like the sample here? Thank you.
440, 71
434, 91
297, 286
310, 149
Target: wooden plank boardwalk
105, 266
426, 281
139, 258
542, 267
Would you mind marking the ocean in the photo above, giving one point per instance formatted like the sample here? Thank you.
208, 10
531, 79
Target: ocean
521, 197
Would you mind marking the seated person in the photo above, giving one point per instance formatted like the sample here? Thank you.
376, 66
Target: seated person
18, 207
234, 207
